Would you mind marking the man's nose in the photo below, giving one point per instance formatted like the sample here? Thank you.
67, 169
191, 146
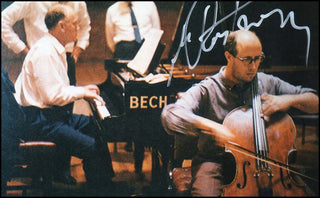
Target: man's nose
253, 64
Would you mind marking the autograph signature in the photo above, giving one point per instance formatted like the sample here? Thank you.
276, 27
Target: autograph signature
242, 23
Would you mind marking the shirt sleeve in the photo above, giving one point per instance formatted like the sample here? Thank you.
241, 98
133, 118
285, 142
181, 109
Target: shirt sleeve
9, 17
180, 116
109, 31
276, 86
155, 17
84, 26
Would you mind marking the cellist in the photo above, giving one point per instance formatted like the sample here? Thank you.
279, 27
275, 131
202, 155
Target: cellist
202, 108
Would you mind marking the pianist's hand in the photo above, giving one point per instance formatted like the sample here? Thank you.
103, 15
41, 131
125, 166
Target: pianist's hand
76, 53
92, 92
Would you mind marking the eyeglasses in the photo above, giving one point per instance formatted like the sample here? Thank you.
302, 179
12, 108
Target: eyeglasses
248, 60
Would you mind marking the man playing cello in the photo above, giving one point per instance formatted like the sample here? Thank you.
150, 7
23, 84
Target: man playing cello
202, 109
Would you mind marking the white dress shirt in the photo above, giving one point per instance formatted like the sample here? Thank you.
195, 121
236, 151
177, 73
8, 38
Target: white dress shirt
118, 25
33, 14
43, 81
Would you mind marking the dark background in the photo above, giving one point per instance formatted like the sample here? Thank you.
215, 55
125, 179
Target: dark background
283, 46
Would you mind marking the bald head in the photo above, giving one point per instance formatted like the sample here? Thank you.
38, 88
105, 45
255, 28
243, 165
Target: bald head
57, 13
62, 23
243, 51
240, 40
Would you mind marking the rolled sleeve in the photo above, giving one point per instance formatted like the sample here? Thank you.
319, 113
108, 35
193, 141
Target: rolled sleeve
85, 26
10, 16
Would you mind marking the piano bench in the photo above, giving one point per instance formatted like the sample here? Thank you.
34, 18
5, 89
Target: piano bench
35, 163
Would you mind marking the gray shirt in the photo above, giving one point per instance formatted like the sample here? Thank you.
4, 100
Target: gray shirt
213, 98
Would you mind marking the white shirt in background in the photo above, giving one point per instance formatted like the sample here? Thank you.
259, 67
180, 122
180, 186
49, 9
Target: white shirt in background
33, 14
118, 25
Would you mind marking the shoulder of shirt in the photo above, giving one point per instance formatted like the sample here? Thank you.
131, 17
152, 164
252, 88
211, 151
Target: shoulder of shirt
49, 44
113, 6
144, 3
264, 75
77, 4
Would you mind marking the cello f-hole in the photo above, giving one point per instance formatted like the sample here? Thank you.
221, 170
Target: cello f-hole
246, 163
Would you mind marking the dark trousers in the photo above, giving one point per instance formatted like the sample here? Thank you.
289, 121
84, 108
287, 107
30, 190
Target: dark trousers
63, 167
75, 135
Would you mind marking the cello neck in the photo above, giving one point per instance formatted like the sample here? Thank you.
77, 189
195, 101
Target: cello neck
261, 144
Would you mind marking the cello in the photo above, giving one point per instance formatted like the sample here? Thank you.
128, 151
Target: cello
267, 149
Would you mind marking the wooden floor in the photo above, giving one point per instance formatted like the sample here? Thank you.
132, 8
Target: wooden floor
123, 161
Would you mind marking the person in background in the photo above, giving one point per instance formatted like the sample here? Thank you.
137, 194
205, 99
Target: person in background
202, 109
124, 44
119, 30
33, 14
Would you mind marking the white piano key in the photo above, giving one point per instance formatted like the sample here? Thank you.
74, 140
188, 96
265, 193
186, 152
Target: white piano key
102, 110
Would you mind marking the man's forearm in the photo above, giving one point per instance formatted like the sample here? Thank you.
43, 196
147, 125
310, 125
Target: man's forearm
307, 102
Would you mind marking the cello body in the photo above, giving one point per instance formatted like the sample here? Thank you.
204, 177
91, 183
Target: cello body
254, 177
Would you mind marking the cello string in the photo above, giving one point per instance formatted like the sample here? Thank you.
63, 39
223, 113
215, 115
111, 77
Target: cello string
256, 135
262, 123
269, 161
258, 122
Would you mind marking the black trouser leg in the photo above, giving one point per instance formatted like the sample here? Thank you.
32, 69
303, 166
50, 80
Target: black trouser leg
138, 154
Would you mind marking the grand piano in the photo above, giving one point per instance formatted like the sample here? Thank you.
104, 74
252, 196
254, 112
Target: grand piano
132, 111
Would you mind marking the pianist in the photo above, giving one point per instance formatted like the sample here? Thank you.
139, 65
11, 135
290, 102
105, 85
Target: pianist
44, 91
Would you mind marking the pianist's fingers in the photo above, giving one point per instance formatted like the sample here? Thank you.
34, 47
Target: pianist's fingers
90, 94
100, 99
93, 88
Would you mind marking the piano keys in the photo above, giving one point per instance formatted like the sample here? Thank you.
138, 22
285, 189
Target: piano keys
102, 110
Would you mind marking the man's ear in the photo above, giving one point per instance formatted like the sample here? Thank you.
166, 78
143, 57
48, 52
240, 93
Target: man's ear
228, 55
61, 25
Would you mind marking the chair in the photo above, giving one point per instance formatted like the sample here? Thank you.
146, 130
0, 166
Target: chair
184, 148
21, 159
307, 120
35, 163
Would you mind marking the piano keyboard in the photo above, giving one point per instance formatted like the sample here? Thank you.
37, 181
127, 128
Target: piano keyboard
102, 110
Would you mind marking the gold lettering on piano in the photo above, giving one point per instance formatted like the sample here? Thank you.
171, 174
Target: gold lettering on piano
150, 102
145, 102
134, 102
162, 101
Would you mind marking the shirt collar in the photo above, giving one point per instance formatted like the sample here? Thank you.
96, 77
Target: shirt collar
59, 47
226, 82
229, 84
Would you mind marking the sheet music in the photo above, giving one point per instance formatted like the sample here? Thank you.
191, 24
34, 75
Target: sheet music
143, 58
102, 110
153, 79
